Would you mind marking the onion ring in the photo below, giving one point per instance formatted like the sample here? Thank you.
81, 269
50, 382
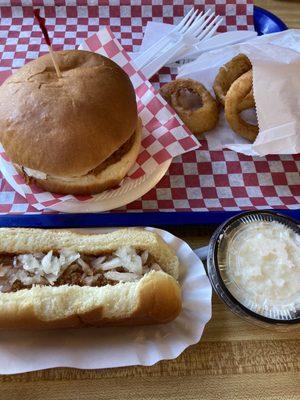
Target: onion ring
193, 103
240, 90
228, 74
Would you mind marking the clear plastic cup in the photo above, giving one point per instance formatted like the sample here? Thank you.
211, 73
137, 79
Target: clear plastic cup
217, 272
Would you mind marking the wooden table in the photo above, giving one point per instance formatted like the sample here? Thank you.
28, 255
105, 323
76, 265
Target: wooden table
234, 360
287, 10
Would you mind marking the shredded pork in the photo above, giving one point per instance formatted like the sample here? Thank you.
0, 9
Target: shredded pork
70, 267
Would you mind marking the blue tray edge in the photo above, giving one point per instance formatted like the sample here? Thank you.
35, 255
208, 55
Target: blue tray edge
125, 219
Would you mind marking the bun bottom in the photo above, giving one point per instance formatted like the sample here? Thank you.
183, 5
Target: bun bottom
155, 299
93, 183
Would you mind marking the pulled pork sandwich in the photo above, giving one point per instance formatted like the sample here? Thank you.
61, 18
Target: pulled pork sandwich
57, 279
78, 134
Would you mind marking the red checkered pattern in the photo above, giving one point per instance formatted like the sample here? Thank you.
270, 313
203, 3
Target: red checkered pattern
200, 180
224, 180
69, 24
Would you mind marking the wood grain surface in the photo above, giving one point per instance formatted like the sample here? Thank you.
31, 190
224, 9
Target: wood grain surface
234, 360
287, 10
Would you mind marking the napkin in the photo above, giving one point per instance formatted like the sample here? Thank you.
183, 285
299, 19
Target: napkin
276, 65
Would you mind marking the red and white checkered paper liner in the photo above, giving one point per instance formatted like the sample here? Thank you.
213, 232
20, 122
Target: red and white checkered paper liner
164, 135
200, 180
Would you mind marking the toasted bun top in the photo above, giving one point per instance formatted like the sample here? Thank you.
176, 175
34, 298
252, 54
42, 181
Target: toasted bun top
67, 126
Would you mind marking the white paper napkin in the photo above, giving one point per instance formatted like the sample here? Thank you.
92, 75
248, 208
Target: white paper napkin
276, 69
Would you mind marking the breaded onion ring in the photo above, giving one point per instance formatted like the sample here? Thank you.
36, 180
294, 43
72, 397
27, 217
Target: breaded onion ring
240, 90
228, 74
247, 102
193, 103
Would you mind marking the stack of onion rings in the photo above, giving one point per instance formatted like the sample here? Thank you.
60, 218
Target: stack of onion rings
228, 74
199, 110
233, 89
238, 98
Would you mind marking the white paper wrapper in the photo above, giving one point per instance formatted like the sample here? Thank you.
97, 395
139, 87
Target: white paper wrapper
89, 348
276, 66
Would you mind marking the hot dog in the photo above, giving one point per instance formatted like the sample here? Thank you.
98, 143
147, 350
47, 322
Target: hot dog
59, 278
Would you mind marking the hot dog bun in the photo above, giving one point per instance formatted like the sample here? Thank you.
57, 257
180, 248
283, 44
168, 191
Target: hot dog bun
153, 299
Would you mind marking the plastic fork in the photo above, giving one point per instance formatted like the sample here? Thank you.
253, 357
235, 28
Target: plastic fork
181, 46
146, 55
192, 31
188, 24
203, 34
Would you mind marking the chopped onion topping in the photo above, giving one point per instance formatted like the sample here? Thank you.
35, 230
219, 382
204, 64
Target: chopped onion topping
144, 257
28, 262
98, 262
46, 269
85, 266
49, 265
122, 276
130, 259
89, 280
111, 264
38, 255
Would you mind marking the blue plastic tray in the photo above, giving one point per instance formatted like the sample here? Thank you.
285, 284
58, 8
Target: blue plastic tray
264, 22
126, 219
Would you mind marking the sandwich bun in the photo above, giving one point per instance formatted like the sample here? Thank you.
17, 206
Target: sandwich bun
94, 182
67, 127
153, 299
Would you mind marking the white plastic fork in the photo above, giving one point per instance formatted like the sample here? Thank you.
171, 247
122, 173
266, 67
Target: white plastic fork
180, 47
142, 59
188, 24
204, 34
193, 30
